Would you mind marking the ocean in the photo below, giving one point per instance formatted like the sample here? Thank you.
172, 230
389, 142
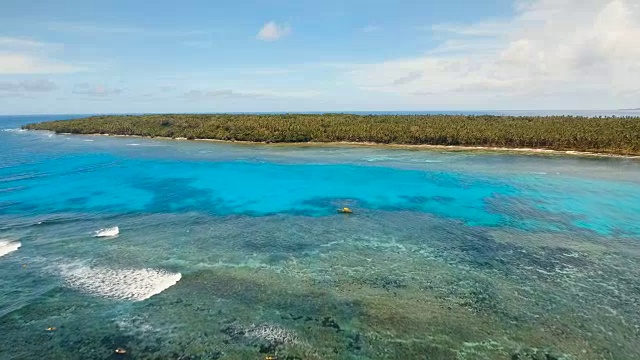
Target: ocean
236, 251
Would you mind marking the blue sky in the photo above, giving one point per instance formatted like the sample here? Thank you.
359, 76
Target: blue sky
215, 56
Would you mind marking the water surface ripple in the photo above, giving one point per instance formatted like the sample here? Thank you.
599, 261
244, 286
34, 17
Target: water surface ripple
237, 252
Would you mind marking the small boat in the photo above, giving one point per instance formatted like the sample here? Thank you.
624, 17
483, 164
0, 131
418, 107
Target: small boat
120, 351
345, 211
51, 328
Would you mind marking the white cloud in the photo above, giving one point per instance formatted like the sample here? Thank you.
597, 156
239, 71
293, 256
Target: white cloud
225, 94
96, 90
488, 28
406, 79
20, 43
15, 63
251, 94
26, 87
271, 31
371, 28
166, 88
20, 56
549, 46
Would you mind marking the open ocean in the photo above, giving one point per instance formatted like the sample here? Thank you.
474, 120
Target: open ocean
230, 251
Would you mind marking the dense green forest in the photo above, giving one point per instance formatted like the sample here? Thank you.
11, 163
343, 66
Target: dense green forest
615, 135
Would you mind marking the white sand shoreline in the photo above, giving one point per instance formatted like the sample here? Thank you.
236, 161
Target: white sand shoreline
393, 146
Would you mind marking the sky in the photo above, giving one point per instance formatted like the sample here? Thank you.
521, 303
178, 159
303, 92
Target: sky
121, 56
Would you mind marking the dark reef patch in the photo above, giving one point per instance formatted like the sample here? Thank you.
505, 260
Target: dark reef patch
178, 195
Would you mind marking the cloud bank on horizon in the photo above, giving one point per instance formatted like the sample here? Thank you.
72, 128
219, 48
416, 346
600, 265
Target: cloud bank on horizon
522, 54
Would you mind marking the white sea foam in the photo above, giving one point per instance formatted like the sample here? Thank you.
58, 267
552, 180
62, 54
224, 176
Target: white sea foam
400, 159
378, 158
108, 232
133, 144
88, 140
121, 284
7, 247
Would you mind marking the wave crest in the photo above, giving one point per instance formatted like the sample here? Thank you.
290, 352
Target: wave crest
7, 247
108, 232
121, 284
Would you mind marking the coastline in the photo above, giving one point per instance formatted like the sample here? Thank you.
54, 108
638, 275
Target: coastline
526, 151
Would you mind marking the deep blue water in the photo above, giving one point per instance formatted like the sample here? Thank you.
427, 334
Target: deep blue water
220, 244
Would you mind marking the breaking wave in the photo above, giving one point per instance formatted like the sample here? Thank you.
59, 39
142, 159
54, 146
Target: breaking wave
7, 247
122, 284
108, 232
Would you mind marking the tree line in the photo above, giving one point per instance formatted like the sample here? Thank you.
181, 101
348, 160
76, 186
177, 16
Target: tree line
616, 135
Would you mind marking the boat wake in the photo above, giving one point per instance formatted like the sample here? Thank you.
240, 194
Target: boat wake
122, 284
7, 247
108, 232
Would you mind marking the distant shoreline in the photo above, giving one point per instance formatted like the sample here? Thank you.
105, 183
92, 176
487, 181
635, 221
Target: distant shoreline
610, 136
529, 151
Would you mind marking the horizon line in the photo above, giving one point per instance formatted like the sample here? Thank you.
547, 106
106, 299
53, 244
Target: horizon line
322, 112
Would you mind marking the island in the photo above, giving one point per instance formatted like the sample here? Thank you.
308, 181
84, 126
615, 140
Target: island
602, 135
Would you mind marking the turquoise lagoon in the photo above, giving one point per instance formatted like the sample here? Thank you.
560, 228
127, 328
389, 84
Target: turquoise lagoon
233, 251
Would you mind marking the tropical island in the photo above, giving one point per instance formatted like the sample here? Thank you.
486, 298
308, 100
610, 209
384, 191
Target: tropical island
604, 135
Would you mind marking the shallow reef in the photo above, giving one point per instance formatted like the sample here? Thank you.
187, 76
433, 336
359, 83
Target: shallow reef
411, 288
